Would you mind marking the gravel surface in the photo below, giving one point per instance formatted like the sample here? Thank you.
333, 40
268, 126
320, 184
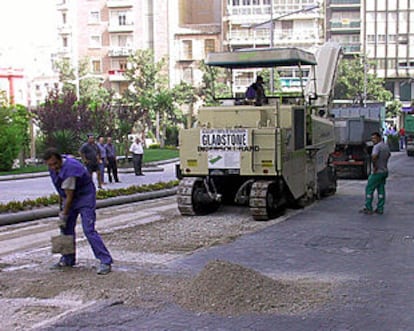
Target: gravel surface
31, 295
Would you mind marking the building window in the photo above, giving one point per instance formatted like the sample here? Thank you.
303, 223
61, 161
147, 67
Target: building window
403, 38
94, 17
287, 26
371, 39
95, 41
64, 18
187, 50
382, 39
121, 40
65, 42
391, 63
392, 38
188, 75
123, 64
119, 65
122, 18
209, 46
96, 66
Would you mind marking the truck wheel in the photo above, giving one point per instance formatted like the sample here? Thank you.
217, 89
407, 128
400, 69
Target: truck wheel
366, 168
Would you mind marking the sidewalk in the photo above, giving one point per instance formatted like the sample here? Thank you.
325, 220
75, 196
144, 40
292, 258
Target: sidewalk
147, 167
369, 259
32, 186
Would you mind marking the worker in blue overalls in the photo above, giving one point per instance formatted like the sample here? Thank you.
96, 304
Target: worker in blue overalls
78, 195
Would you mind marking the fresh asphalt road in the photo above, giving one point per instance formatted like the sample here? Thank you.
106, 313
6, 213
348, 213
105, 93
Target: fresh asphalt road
32, 188
370, 258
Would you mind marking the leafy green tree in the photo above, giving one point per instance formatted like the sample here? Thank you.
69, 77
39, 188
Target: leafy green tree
350, 84
3, 98
125, 118
14, 137
393, 108
185, 94
214, 84
149, 92
277, 85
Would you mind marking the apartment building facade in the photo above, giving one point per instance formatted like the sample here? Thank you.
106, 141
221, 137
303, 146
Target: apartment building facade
343, 25
248, 24
195, 31
388, 39
107, 32
185, 31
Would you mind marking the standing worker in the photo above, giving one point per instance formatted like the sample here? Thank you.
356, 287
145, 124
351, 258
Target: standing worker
112, 167
137, 154
91, 157
103, 162
401, 133
376, 181
78, 195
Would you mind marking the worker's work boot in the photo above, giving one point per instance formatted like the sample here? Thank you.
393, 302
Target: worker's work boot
104, 269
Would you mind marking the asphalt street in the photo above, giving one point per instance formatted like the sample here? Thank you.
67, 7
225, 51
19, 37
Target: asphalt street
369, 257
18, 188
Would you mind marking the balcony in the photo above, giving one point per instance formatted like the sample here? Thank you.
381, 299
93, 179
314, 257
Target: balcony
345, 26
117, 75
62, 5
114, 26
64, 29
351, 48
345, 3
120, 51
119, 3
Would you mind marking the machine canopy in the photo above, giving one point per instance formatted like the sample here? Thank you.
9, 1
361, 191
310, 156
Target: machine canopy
261, 58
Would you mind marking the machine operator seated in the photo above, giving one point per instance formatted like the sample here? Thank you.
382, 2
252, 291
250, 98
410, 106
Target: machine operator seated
255, 94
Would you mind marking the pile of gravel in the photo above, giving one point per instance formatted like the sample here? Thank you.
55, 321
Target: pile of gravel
231, 289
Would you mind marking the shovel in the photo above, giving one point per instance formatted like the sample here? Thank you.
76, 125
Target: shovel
63, 244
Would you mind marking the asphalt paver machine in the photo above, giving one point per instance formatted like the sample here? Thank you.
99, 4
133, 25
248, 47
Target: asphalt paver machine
268, 156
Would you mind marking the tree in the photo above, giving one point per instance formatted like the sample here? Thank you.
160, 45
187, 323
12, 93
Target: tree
149, 91
14, 137
64, 121
93, 97
214, 84
185, 94
126, 116
351, 82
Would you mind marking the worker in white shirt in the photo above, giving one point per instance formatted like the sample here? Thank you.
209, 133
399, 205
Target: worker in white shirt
137, 151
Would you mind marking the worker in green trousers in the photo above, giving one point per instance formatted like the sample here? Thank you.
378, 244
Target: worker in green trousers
376, 181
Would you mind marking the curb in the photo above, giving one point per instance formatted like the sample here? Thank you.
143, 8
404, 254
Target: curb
148, 167
31, 215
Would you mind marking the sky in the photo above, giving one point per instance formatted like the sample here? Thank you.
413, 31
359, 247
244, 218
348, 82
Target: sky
24, 26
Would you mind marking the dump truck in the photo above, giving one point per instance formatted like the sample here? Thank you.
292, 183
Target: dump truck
265, 157
353, 145
409, 133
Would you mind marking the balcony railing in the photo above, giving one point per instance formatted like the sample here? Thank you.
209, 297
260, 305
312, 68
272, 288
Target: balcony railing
346, 25
351, 48
114, 26
263, 36
120, 51
62, 5
64, 29
119, 3
345, 2
116, 75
